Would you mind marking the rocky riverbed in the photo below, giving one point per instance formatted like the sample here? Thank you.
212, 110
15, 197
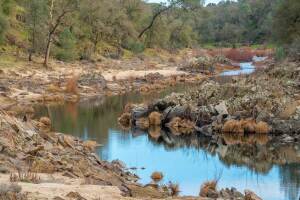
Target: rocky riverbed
37, 163
267, 102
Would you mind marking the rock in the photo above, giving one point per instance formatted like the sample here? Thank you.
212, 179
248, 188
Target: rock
177, 111
115, 87
93, 78
249, 195
222, 108
138, 112
75, 196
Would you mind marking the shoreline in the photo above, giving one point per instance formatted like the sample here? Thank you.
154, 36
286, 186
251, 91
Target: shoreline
43, 143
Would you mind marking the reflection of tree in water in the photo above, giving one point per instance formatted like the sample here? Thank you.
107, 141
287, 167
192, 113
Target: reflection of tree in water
290, 180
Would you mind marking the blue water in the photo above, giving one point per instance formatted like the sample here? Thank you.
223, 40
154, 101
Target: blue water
246, 68
187, 163
190, 166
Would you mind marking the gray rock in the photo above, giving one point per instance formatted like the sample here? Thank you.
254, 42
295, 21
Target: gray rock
222, 108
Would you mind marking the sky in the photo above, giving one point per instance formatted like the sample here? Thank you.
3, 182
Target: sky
207, 1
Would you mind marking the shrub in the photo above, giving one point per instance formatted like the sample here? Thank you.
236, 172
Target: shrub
207, 187
262, 127
72, 85
180, 126
154, 132
233, 126
3, 26
134, 46
280, 53
240, 55
27, 177
155, 118
125, 120
246, 126
174, 189
157, 176
294, 49
67, 46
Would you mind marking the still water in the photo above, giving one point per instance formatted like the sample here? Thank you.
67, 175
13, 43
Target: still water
186, 162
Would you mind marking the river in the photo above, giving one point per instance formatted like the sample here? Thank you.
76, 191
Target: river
188, 163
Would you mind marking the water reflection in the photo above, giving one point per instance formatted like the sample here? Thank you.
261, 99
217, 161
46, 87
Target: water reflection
252, 162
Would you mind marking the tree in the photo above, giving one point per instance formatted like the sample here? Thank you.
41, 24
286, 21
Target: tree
35, 21
286, 25
58, 11
3, 27
67, 46
165, 7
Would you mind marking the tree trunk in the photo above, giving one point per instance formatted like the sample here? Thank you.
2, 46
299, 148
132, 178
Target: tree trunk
30, 56
47, 53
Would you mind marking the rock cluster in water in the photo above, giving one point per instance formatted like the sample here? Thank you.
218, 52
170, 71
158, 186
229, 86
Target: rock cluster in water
267, 102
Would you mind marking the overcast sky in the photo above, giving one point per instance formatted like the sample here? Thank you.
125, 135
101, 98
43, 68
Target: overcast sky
207, 1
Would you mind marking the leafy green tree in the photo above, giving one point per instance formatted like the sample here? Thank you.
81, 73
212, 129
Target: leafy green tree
66, 46
35, 21
286, 25
58, 10
3, 27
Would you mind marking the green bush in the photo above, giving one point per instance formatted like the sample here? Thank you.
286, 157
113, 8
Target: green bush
66, 50
280, 53
3, 27
294, 49
134, 46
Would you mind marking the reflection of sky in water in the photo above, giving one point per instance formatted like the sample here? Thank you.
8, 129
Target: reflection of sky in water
246, 68
187, 166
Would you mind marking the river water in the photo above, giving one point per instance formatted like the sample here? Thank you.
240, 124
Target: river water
188, 163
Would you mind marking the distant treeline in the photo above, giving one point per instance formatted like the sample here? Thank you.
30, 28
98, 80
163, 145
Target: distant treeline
79, 29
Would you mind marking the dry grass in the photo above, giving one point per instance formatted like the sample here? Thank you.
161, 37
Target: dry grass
157, 176
27, 177
143, 123
53, 88
72, 85
155, 118
233, 126
125, 120
207, 187
45, 121
174, 189
154, 132
180, 126
246, 126
239, 55
262, 128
